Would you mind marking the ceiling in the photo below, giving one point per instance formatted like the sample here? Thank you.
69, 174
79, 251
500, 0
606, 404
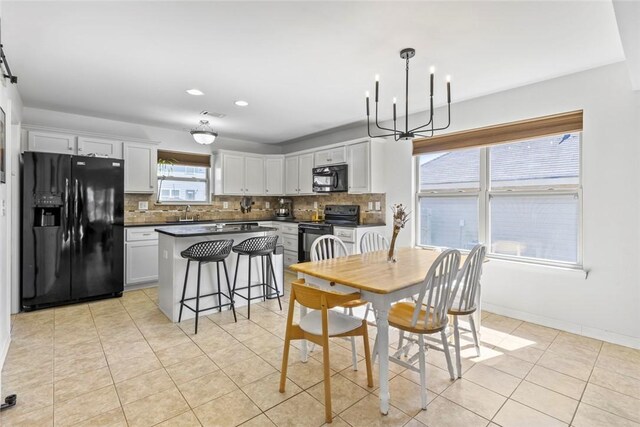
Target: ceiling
302, 66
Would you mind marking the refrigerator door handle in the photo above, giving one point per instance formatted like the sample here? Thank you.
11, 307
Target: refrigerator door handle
65, 224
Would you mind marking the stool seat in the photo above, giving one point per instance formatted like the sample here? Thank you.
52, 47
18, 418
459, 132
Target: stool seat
210, 251
263, 247
205, 252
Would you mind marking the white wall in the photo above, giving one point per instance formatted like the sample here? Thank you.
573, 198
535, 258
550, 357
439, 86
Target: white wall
169, 138
605, 305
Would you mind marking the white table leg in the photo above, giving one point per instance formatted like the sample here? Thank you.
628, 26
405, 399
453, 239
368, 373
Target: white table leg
303, 343
382, 320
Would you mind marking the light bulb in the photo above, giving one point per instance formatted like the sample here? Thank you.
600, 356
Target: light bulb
394, 99
366, 94
432, 69
377, 77
448, 79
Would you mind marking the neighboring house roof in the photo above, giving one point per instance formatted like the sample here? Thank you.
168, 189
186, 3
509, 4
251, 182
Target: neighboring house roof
545, 159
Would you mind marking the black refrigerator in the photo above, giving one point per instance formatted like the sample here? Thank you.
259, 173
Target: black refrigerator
72, 229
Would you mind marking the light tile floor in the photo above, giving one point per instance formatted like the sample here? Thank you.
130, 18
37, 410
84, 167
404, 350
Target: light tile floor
121, 362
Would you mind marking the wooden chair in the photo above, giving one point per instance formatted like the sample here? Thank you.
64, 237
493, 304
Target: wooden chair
465, 297
427, 316
318, 326
372, 241
327, 247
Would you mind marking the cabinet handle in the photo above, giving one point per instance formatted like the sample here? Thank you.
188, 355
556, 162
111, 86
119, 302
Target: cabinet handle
70, 148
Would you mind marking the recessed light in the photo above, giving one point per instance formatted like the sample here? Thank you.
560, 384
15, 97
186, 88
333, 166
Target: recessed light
195, 92
241, 103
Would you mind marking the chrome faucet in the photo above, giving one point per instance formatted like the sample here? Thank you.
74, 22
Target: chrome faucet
186, 213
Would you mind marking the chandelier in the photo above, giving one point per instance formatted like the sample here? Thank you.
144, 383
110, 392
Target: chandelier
426, 130
203, 134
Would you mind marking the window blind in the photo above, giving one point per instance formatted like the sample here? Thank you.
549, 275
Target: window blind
500, 134
185, 159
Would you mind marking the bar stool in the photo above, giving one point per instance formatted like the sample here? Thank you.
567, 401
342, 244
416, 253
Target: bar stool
253, 247
205, 252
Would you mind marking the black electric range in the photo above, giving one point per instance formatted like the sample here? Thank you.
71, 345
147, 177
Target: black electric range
334, 215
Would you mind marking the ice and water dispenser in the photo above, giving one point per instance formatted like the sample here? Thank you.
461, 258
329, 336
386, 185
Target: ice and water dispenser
47, 209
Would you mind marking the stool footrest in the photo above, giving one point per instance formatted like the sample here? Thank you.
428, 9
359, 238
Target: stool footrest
210, 295
208, 308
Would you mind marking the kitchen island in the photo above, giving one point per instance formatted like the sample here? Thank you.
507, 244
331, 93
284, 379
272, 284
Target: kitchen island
172, 267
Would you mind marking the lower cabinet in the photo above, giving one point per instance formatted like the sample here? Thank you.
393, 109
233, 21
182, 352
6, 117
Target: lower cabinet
141, 256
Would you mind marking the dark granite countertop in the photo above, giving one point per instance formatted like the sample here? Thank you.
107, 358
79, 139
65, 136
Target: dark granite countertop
232, 221
209, 230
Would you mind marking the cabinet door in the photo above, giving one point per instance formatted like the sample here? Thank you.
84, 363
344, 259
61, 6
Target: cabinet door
291, 175
140, 175
274, 173
322, 157
305, 173
232, 174
359, 174
331, 156
105, 147
51, 142
254, 175
141, 262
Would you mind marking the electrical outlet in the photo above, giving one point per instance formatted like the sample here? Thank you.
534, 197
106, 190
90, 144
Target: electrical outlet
377, 206
225, 205
143, 206
315, 205
370, 206
266, 205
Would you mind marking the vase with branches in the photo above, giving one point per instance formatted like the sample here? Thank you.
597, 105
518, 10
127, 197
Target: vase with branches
400, 219
165, 167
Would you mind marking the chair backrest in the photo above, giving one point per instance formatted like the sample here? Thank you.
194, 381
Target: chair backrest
317, 299
435, 295
372, 241
327, 247
210, 250
466, 288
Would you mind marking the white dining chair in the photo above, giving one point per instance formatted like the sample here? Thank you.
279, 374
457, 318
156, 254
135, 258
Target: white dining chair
465, 297
372, 241
327, 247
427, 315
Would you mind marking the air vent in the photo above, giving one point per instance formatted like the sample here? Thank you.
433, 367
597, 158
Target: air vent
212, 114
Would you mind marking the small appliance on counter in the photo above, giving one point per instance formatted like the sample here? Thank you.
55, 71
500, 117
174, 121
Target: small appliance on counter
284, 211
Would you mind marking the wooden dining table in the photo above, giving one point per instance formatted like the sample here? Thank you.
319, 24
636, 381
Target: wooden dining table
380, 282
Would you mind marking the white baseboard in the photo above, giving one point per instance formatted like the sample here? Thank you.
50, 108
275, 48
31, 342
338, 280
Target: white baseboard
574, 328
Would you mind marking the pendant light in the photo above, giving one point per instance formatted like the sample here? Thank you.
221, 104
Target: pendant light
427, 129
203, 134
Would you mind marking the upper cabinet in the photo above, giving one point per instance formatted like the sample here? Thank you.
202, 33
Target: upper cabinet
274, 175
359, 167
298, 174
330, 156
100, 146
140, 174
51, 142
241, 174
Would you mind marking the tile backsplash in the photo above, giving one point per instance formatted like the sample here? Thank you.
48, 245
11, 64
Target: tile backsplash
303, 208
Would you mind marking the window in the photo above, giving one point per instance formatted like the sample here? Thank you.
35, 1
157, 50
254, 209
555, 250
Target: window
183, 183
522, 199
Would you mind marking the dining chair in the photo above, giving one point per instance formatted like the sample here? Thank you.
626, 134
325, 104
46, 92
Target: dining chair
427, 315
465, 297
327, 247
372, 241
318, 326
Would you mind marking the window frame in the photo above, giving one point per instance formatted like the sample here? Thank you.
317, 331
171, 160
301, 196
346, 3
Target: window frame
484, 194
206, 180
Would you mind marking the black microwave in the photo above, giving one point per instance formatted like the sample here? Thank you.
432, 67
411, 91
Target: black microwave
330, 179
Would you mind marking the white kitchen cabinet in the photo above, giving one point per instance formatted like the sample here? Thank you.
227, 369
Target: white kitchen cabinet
241, 174
289, 233
305, 173
232, 174
298, 174
254, 175
51, 142
274, 176
141, 255
140, 175
104, 147
331, 156
351, 236
359, 167
291, 175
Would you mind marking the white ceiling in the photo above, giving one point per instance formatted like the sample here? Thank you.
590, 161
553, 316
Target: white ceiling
302, 66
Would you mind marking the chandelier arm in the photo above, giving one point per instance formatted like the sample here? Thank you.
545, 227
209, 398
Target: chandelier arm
377, 136
448, 120
430, 118
406, 98
381, 127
